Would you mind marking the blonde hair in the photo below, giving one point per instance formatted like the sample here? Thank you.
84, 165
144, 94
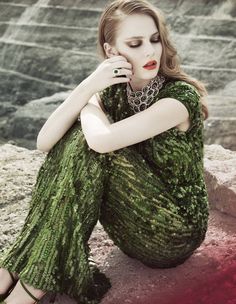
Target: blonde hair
116, 11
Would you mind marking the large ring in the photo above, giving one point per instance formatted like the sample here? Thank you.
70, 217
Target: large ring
116, 72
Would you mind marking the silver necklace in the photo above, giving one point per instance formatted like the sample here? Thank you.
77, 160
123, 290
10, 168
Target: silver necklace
140, 100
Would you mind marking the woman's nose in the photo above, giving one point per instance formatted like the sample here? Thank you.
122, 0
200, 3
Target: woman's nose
149, 50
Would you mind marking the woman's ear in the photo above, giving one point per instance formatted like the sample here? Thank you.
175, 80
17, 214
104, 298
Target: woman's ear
109, 50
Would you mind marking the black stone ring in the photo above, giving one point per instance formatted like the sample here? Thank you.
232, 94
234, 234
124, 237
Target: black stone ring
116, 72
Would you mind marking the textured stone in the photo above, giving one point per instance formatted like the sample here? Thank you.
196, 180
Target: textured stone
220, 174
24, 124
219, 127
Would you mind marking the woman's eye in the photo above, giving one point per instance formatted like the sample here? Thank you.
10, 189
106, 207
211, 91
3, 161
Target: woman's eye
134, 45
155, 40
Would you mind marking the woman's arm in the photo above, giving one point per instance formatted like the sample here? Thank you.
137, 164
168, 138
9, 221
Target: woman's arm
103, 136
66, 114
95, 124
63, 117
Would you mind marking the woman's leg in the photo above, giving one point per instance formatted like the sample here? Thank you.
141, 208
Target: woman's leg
142, 217
6, 280
51, 252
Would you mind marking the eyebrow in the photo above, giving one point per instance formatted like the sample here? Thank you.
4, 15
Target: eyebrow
140, 37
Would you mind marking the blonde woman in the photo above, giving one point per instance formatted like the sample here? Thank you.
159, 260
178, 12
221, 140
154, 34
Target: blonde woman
125, 148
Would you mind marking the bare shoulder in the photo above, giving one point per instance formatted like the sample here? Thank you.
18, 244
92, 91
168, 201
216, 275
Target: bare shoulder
96, 100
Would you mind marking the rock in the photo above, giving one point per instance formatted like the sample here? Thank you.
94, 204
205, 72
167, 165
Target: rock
202, 25
221, 123
213, 264
230, 89
199, 46
18, 170
220, 174
26, 122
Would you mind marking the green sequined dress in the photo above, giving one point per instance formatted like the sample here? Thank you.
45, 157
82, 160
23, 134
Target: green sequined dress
150, 197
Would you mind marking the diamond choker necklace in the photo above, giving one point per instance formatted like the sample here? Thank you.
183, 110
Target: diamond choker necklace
140, 100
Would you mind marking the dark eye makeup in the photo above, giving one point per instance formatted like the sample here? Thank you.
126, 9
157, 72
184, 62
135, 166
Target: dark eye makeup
154, 40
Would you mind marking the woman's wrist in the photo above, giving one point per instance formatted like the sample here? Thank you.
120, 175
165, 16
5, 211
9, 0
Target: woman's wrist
89, 85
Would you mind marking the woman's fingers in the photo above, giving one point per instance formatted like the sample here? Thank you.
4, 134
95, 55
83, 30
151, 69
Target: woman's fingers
116, 58
121, 64
124, 72
116, 80
105, 75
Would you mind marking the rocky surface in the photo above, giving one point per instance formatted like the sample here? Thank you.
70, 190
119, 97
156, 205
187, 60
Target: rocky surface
24, 124
49, 46
196, 281
220, 176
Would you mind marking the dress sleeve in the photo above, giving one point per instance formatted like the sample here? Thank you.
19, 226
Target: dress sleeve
188, 95
106, 101
104, 97
112, 100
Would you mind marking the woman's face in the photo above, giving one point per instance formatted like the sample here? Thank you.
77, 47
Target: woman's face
138, 41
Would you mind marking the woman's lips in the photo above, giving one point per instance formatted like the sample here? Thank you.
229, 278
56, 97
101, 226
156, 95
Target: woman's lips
150, 67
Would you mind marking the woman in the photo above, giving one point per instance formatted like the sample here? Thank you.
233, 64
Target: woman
133, 160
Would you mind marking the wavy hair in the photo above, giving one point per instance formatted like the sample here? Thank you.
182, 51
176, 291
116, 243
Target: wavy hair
117, 11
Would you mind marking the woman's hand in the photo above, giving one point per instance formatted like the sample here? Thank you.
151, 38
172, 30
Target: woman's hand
103, 76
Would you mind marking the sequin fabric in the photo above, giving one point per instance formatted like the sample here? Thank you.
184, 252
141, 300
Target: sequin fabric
150, 197
141, 99
155, 207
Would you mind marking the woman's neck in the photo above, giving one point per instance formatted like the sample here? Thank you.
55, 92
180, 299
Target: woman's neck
138, 85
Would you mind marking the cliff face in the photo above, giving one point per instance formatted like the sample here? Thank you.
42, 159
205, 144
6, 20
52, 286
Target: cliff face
196, 281
49, 46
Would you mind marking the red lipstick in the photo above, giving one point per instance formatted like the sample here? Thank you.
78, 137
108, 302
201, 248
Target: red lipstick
151, 65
